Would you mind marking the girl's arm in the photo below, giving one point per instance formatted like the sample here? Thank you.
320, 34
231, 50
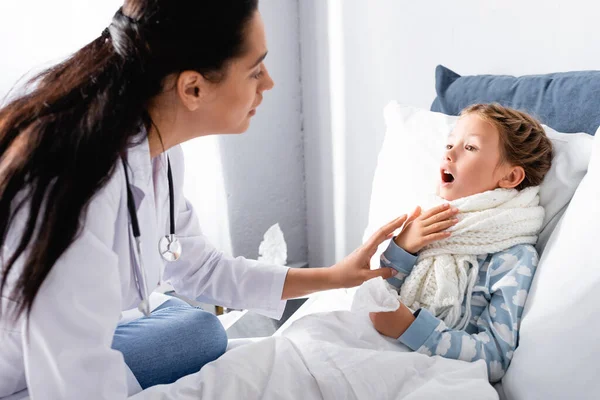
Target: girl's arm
494, 334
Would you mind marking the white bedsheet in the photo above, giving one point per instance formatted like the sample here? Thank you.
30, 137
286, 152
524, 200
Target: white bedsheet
332, 355
332, 300
326, 352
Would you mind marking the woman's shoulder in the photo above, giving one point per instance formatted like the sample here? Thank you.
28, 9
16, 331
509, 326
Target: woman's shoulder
103, 209
109, 195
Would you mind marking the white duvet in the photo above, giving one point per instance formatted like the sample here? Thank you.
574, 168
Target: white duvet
331, 355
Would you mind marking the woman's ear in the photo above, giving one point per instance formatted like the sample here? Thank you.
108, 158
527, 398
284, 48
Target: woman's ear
513, 178
191, 88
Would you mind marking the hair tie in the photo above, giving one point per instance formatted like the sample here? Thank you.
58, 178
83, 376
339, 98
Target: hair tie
127, 17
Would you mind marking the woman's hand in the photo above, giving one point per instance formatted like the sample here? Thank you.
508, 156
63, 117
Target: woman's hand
351, 271
355, 268
426, 228
392, 324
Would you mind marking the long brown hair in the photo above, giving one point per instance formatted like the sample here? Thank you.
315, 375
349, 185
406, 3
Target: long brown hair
61, 140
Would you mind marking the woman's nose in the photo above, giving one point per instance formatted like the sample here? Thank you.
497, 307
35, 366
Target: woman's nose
268, 82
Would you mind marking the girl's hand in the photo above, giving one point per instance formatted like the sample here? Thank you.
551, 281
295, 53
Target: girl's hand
392, 324
427, 228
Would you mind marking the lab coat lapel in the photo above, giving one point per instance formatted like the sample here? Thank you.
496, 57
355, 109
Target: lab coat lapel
143, 193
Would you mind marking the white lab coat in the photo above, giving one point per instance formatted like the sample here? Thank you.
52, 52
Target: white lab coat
68, 352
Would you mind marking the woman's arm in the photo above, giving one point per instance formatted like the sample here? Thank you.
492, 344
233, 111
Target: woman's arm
351, 271
205, 273
210, 276
419, 230
394, 260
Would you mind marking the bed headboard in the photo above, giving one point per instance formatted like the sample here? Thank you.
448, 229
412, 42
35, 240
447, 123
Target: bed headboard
566, 101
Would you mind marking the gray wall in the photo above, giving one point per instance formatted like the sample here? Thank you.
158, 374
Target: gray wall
317, 131
264, 167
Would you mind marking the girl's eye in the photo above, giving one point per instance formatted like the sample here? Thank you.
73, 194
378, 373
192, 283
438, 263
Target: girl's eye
257, 75
469, 148
448, 146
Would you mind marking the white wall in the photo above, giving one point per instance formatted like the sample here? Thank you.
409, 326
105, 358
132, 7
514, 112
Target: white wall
390, 49
264, 167
39, 33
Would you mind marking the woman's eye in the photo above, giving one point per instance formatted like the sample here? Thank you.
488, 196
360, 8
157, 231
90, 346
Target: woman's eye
257, 75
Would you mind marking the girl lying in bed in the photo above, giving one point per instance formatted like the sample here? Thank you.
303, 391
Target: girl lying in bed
476, 259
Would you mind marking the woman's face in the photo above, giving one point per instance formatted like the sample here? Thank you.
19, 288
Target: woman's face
229, 104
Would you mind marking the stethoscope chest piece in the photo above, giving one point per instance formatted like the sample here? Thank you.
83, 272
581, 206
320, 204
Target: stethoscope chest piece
169, 248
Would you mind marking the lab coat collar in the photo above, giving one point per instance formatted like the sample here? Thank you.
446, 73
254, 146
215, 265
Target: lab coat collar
142, 186
138, 158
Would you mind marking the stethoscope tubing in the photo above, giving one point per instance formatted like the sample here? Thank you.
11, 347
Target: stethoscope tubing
139, 270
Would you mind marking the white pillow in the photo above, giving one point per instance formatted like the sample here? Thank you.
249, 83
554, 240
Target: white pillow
558, 353
408, 167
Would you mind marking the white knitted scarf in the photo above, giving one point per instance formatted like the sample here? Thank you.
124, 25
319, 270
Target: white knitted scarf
447, 270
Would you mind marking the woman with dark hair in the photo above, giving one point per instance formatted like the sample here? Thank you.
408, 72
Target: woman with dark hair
92, 215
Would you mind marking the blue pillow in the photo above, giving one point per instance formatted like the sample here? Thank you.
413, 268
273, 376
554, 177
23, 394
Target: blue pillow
567, 101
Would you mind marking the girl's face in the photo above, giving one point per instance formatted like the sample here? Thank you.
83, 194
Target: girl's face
472, 162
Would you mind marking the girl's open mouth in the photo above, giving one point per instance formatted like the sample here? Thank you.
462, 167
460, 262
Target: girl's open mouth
447, 177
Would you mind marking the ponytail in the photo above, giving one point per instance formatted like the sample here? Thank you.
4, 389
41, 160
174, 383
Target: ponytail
61, 141
60, 144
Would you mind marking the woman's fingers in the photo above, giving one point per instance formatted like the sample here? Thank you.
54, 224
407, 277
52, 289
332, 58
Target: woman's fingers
385, 273
439, 226
416, 212
382, 234
395, 224
414, 215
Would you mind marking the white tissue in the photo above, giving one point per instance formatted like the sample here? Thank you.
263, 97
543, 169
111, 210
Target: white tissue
375, 295
273, 249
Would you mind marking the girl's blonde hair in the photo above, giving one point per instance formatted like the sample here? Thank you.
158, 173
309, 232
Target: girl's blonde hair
523, 141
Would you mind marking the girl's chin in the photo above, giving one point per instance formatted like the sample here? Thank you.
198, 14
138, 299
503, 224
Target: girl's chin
446, 193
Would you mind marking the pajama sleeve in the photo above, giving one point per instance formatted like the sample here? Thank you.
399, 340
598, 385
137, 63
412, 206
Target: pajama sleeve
495, 333
397, 258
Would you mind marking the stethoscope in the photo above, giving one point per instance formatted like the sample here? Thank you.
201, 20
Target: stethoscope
169, 246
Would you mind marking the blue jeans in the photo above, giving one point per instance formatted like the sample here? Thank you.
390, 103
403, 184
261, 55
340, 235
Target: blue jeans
176, 340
